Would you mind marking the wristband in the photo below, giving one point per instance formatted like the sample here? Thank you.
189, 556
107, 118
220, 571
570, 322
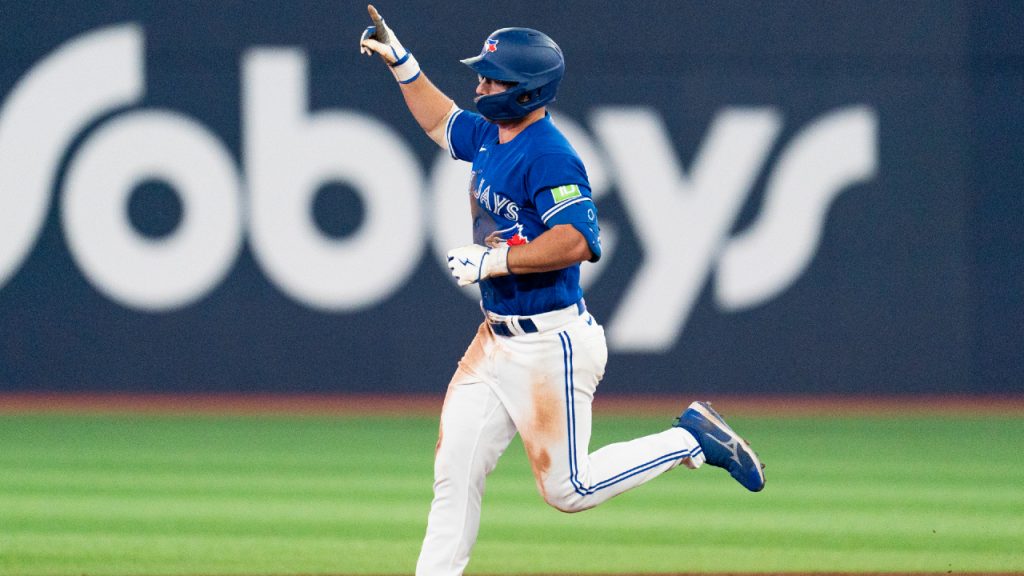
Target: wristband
498, 266
405, 69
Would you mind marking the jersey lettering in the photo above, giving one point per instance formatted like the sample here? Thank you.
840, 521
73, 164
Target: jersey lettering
499, 203
485, 198
496, 203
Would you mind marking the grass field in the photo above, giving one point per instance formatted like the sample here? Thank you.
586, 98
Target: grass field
259, 494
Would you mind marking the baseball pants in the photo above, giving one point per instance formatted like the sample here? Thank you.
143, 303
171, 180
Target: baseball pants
540, 385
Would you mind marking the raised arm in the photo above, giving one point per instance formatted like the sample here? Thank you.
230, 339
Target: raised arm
429, 106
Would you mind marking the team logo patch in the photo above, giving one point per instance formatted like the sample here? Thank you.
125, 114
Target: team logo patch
491, 45
517, 240
513, 235
567, 192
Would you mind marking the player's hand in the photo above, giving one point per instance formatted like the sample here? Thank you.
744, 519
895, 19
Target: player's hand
379, 39
473, 263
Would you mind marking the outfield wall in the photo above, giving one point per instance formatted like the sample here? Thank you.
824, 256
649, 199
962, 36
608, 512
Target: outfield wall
796, 198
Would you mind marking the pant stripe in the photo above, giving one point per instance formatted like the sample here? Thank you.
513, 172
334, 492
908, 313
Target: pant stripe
570, 411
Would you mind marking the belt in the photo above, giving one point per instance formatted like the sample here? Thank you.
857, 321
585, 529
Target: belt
519, 325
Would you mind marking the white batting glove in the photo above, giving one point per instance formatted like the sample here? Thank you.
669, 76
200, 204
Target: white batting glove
381, 40
471, 264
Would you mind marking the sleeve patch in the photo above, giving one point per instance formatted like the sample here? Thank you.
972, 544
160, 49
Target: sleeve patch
567, 192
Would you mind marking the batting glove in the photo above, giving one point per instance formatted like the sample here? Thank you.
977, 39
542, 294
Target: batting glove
473, 263
379, 39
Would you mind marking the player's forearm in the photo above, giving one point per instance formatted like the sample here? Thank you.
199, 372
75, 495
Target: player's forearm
558, 248
428, 105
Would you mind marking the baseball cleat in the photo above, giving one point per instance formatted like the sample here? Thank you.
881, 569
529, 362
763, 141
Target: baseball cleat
722, 446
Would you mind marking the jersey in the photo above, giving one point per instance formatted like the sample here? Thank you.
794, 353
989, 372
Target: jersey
519, 190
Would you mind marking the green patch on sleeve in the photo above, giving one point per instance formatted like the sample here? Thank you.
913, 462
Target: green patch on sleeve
563, 193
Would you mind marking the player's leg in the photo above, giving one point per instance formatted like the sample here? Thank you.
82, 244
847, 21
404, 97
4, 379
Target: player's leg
475, 430
553, 414
588, 480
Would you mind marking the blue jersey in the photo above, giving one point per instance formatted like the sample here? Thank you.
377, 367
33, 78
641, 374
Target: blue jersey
519, 190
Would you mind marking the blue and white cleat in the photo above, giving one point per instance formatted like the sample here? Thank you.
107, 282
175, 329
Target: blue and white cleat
722, 446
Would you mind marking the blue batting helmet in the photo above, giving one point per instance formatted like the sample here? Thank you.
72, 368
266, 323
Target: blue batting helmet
526, 57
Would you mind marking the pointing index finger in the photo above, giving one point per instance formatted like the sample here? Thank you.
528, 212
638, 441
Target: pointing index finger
381, 33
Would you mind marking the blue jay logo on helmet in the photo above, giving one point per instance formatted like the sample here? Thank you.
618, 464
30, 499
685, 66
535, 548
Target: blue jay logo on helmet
530, 60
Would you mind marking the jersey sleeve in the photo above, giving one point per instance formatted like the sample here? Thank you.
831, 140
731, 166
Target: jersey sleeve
465, 133
561, 192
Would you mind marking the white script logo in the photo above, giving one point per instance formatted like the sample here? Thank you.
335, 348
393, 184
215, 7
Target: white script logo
681, 217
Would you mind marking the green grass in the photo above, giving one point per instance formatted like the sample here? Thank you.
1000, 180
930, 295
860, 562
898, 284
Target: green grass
137, 494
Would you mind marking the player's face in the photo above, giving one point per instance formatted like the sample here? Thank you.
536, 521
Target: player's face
487, 86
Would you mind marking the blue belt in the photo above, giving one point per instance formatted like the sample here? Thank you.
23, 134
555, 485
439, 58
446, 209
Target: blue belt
527, 325
502, 329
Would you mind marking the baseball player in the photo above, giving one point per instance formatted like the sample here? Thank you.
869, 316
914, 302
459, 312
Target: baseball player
539, 354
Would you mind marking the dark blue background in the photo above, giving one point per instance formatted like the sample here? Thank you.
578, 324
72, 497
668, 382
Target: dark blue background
916, 286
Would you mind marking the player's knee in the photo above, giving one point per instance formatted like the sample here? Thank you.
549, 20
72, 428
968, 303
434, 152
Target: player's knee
566, 499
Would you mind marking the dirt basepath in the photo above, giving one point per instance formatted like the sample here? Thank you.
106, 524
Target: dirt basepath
431, 405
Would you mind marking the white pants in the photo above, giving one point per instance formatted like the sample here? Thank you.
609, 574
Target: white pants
541, 385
